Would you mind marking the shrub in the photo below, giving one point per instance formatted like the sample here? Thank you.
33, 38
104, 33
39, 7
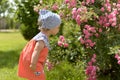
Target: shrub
66, 71
28, 32
28, 17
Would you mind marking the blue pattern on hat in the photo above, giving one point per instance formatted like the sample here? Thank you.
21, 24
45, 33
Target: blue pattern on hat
49, 19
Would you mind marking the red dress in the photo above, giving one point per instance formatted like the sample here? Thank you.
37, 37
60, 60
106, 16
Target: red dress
24, 70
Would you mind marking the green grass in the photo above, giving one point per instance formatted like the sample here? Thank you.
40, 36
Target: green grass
11, 45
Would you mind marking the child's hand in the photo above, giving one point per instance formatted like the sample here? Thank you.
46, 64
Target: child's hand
33, 67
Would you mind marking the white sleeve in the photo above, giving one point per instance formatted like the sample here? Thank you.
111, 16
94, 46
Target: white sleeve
38, 38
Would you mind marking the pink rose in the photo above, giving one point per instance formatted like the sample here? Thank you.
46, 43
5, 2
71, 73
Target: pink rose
87, 36
82, 41
118, 1
97, 35
55, 7
94, 55
110, 20
87, 26
110, 16
118, 5
61, 38
92, 1
107, 24
107, 1
83, 3
49, 65
102, 9
116, 56
85, 31
114, 19
109, 8
92, 44
72, 3
92, 29
100, 30
74, 14
90, 63
114, 24
79, 10
67, 1
78, 19
66, 45
74, 9
87, 1
93, 60
119, 62
60, 43
88, 41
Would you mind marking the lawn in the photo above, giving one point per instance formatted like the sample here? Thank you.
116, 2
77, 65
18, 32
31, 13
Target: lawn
11, 43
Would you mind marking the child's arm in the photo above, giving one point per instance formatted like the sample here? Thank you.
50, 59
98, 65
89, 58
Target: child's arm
38, 47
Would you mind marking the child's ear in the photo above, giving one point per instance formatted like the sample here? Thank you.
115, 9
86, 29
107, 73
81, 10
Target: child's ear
39, 22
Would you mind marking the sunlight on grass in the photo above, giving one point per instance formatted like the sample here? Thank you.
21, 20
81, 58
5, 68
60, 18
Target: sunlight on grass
11, 45
10, 41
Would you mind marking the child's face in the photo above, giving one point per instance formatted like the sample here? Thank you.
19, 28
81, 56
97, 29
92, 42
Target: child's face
55, 30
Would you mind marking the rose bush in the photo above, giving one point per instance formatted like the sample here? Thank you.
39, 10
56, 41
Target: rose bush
99, 32
89, 27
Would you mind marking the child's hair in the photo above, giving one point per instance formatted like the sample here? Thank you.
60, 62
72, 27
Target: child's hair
48, 20
40, 26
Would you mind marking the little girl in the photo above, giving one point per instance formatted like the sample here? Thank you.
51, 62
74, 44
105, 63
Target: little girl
33, 56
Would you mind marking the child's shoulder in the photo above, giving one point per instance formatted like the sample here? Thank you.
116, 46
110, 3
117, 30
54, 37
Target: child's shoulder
42, 37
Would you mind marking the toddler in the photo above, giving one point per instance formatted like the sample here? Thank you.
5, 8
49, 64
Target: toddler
34, 54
